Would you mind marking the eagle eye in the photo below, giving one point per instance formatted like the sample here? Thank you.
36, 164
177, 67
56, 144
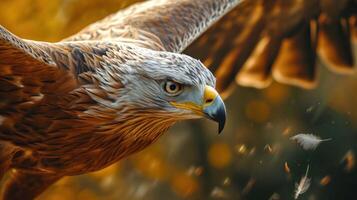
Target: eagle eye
172, 88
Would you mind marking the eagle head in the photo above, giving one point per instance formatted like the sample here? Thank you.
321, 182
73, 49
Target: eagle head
165, 86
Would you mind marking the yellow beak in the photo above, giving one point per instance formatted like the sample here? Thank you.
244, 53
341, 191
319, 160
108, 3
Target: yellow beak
212, 107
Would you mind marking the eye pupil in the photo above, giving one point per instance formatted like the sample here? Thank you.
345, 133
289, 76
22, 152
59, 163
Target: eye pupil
172, 87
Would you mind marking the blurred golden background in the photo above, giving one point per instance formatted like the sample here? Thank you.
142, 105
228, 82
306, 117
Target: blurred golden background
252, 159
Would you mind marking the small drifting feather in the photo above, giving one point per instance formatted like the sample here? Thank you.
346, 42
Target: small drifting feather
349, 160
268, 148
287, 131
303, 185
195, 170
249, 186
308, 141
219, 193
274, 196
325, 180
227, 181
287, 168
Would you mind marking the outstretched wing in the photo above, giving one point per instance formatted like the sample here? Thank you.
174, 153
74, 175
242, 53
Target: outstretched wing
28, 74
38, 82
253, 42
171, 24
279, 40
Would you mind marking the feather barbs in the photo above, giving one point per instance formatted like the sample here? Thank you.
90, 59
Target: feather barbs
303, 185
308, 141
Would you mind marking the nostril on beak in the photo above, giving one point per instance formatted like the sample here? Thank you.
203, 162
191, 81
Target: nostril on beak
209, 96
208, 101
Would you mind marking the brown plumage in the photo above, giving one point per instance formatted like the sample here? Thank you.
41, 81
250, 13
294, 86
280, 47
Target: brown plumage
84, 103
279, 40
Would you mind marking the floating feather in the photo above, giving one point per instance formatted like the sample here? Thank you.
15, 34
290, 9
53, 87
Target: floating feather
303, 185
287, 168
308, 141
349, 160
219, 193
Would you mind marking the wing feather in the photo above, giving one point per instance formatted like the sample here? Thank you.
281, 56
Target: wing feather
40, 83
296, 61
28, 72
171, 24
290, 40
231, 42
334, 44
248, 42
256, 71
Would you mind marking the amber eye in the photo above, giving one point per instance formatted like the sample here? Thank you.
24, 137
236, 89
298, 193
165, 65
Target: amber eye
172, 88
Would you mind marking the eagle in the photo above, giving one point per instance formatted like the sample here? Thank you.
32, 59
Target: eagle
82, 104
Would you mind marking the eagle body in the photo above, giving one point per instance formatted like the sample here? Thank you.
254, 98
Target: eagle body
83, 103
84, 129
101, 117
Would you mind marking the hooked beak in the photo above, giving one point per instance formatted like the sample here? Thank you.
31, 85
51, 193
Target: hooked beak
210, 106
214, 107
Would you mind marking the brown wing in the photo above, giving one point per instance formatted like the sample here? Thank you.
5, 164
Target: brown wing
254, 41
259, 41
22, 185
226, 46
28, 73
30, 78
169, 25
